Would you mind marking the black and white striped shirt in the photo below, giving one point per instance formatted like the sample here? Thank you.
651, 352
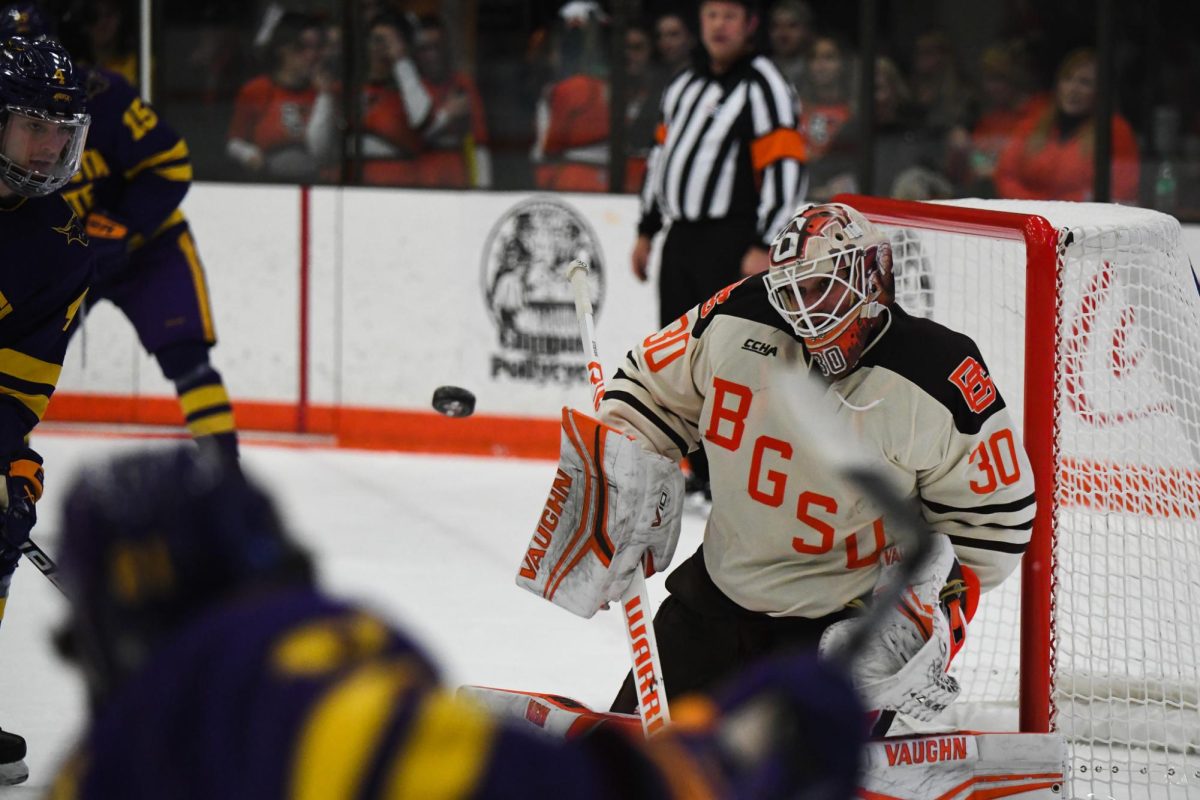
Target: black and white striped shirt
726, 146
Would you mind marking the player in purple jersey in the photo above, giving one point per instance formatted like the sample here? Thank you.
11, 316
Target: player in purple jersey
135, 172
216, 668
44, 274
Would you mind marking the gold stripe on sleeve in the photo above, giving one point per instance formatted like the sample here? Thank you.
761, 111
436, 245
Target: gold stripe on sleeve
176, 172
28, 368
336, 745
176, 153
445, 755
36, 403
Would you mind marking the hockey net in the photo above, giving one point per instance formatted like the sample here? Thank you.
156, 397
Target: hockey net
1088, 316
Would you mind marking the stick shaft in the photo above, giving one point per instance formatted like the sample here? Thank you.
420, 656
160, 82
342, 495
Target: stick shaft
577, 275
635, 602
41, 560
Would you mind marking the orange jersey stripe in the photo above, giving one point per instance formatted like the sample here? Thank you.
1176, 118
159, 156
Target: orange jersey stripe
777, 145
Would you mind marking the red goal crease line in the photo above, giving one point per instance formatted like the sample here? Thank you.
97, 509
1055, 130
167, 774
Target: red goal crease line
1168, 492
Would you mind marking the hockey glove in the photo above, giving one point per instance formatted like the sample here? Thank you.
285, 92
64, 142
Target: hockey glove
19, 493
108, 238
611, 503
903, 668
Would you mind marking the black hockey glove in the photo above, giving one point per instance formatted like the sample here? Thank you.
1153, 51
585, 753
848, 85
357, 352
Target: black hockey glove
18, 498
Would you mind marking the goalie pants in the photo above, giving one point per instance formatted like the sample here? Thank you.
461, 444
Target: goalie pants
705, 638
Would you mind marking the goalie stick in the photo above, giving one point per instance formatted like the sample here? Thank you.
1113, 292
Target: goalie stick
636, 615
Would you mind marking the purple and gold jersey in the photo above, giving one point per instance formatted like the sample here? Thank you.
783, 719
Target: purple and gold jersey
298, 696
44, 277
135, 167
135, 172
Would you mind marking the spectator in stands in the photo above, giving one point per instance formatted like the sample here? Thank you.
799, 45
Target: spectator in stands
941, 95
394, 106
571, 151
268, 133
1006, 97
790, 31
644, 82
1050, 155
827, 103
674, 42
908, 156
103, 33
456, 154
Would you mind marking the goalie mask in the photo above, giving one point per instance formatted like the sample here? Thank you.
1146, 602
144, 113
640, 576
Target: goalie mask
43, 125
830, 277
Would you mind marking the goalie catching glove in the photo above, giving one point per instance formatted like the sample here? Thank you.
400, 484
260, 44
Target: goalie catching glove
611, 503
903, 667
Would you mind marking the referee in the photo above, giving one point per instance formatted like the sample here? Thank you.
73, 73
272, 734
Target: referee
726, 172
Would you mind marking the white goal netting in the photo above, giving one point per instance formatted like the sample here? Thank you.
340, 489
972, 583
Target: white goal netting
1125, 403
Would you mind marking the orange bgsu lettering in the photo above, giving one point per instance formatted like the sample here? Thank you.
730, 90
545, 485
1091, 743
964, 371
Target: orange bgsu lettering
927, 751
774, 478
648, 684
546, 526
736, 415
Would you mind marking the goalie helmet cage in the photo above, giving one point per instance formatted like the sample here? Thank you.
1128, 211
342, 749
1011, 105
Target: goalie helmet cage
1088, 316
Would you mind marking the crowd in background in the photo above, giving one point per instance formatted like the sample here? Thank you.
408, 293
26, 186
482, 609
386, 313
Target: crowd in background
497, 94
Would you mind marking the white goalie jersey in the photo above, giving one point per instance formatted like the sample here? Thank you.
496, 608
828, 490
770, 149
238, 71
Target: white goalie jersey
786, 537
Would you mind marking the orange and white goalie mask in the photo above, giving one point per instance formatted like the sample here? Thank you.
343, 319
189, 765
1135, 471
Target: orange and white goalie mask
830, 277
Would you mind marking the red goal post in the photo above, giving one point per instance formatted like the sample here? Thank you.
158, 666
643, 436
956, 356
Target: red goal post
1089, 313
1041, 325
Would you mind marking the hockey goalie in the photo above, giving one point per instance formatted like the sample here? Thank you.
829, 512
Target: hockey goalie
794, 555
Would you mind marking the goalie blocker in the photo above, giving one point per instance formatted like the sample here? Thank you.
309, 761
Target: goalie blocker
611, 503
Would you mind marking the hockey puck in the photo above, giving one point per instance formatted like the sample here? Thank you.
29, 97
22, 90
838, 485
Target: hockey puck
453, 401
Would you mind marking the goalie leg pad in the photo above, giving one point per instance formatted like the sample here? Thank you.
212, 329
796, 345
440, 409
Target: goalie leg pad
556, 715
964, 764
611, 503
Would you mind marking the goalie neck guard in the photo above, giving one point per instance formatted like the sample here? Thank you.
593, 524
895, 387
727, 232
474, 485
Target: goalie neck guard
151, 541
830, 278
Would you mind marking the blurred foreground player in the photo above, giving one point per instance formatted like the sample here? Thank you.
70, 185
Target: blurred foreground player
44, 277
216, 669
135, 172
